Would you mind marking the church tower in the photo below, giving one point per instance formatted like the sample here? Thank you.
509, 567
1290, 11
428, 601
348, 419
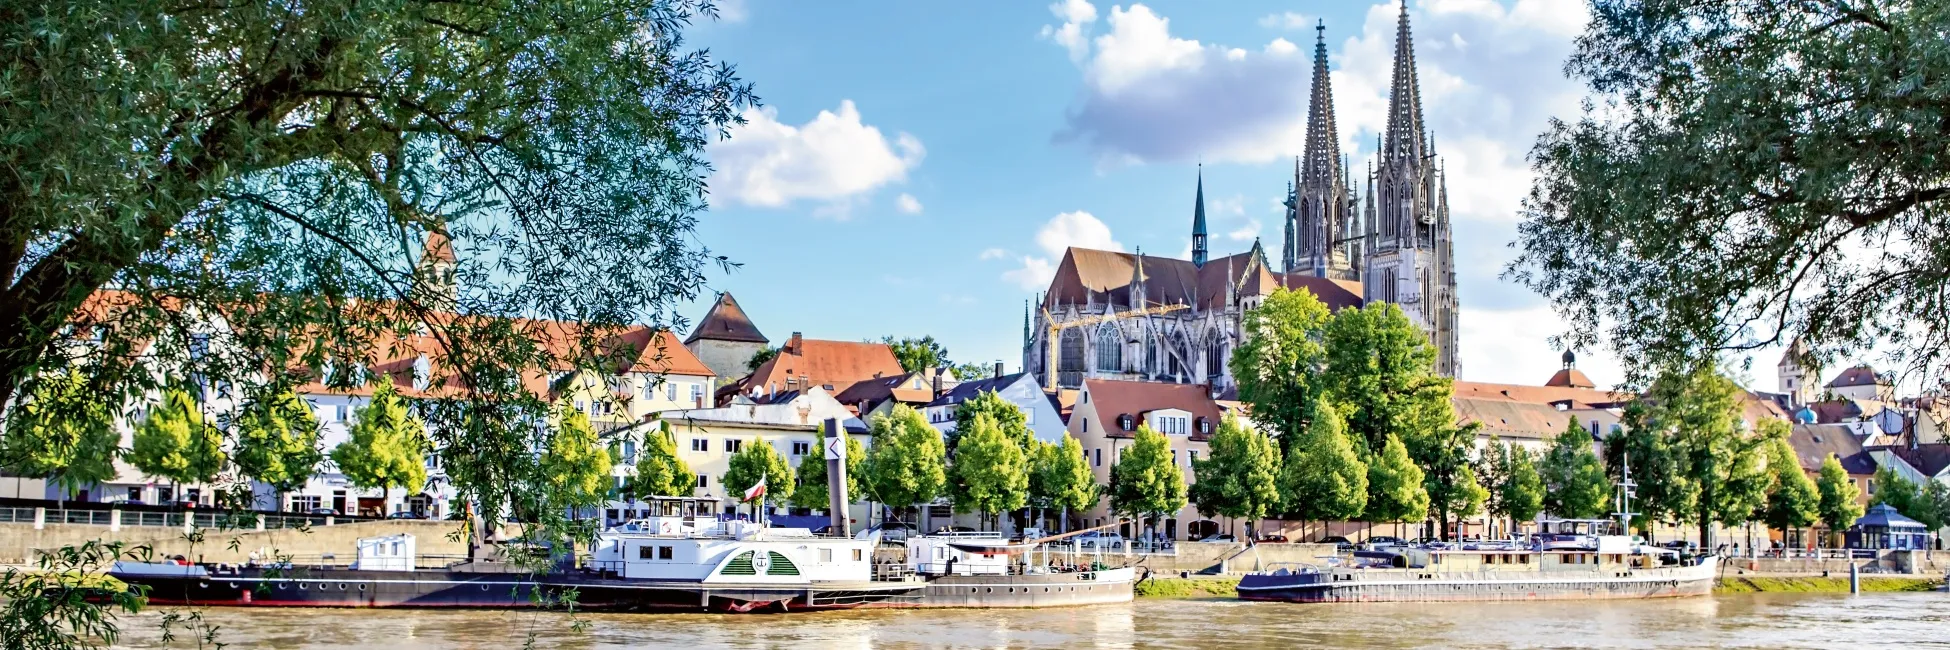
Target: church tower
1320, 212
1409, 257
1198, 222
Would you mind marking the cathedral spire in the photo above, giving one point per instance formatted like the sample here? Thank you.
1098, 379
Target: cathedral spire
1286, 240
1323, 155
1322, 194
1405, 134
1198, 221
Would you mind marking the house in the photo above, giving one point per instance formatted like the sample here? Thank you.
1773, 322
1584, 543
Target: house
1039, 409
726, 340
876, 397
1106, 418
1863, 383
803, 364
708, 437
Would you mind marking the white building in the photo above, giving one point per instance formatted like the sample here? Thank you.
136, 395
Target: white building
1038, 408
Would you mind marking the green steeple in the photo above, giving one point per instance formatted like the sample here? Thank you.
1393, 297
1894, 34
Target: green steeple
1198, 221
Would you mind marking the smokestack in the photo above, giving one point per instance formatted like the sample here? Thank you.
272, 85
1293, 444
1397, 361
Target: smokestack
835, 442
998, 370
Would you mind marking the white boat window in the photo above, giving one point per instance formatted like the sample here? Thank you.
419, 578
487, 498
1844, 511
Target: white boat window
664, 552
643, 552
856, 555
825, 555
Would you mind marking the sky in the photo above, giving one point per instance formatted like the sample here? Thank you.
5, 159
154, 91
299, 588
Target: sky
918, 168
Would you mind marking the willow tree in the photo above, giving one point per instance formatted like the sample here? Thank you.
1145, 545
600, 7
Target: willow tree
1734, 155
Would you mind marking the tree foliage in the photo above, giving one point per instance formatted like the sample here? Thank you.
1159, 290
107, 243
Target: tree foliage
1240, 475
1936, 514
812, 491
907, 463
1792, 500
1838, 508
174, 442
991, 471
1395, 488
1062, 478
1449, 474
758, 461
917, 354
277, 441
1380, 372
1666, 490
660, 472
1733, 153
1007, 416
386, 446
64, 431
1145, 482
1278, 361
577, 463
1574, 482
1510, 473
1700, 412
1896, 492
1324, 478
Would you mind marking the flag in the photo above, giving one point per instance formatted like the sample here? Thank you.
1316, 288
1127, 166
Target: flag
755, 492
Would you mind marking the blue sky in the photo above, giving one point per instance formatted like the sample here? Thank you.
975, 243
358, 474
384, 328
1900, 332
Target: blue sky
918, 167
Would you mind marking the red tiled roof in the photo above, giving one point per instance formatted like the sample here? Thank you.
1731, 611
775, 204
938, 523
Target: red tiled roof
726, 322
438, 247
1814, 443
1337, 294
1089, 275
1570, 378
803, 362
1112, 398
1578, 397
1857, 376
901, 388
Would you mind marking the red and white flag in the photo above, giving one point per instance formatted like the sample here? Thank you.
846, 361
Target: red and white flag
755, 492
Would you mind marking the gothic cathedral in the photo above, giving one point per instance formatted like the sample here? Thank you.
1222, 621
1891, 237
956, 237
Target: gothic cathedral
1116, 315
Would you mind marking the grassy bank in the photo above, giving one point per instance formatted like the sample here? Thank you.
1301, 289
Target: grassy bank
1188, 588
1829, 585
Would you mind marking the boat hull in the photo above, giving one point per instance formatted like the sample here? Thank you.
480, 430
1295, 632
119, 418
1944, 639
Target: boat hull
1408, 586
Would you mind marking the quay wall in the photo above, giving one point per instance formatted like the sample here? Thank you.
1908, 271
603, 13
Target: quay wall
19, 541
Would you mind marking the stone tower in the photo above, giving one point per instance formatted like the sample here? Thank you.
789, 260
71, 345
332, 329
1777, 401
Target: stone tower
1409, 253
1324, 236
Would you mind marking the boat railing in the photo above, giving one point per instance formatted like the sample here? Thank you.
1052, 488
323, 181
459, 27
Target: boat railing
1291, 568
333, 561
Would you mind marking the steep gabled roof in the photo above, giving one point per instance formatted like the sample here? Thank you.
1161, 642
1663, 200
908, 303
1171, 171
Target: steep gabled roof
726, 322
1112, 398
1857, 376
1570, 378
831, 365
1814, 443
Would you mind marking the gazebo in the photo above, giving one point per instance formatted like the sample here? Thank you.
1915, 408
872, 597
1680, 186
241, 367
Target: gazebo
1883, 527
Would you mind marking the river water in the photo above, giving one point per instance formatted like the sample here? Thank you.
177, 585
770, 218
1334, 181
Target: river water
1910, 620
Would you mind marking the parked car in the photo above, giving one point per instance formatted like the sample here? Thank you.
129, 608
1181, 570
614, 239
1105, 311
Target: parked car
1100, 540
1220, 539
891, 532
324, 511
1272, 539
1384, 541
405, 515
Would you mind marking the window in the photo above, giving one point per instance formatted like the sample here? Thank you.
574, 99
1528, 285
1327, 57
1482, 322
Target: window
1194, 457
645, 552
341, 415
299, 503
697, 393
826, 555
732, 446
1086, 425
582, 406
1110, 351
649, 388
1174, 457
856, 555
629, 451
1100, 457
801, 448
670, 392
665, 552
135, 495
703, 481
700, 445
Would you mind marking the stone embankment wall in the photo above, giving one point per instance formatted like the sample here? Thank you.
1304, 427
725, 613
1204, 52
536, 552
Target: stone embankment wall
18, 541
1230, 558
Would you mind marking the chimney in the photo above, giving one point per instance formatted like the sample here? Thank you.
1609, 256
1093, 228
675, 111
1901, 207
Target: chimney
998, 370
792, 344
937, 383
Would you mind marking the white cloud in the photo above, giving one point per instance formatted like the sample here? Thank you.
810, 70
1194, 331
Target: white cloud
992, 254
833, 158
1150, 96
1513, 347
733, 11
907, 204
1074, 34
1077, 229
1287, 20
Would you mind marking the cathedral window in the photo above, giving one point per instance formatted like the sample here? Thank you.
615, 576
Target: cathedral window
1110, 351
1215, 358
1070, 358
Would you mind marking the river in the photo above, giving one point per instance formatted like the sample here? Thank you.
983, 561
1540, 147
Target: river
1911, 620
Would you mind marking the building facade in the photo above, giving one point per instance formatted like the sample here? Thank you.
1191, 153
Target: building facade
726, 340
1039, 411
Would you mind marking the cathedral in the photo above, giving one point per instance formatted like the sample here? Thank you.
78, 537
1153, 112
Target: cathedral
1115, 315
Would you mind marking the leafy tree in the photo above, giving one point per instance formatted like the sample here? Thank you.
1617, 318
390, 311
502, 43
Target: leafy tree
1277, 364
1520, 494
973, 371
1240, 477
577, 463
1324, 479
1730, 152
906, 464
812, 492
64, 431
1792, 499
1380, 372
758, 461
1145, 482
659, 471
1395, 491
991, 472
1063, 480
1006, 414
386, 446
1937, 514
919, 354
1838, 508
1666, 491
175, 443
759, 358
1896, 492
1700, 411
1449, 474
1574, 482
277, 442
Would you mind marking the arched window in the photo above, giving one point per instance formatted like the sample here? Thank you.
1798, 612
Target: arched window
1150, 353
1215, 357
1110, 350
1069, 369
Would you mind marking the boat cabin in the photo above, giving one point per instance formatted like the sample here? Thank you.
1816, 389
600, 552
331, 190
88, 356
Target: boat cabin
677, 549
962, 554
387, 553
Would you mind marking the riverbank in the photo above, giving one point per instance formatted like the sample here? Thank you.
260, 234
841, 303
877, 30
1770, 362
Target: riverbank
1220, 587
